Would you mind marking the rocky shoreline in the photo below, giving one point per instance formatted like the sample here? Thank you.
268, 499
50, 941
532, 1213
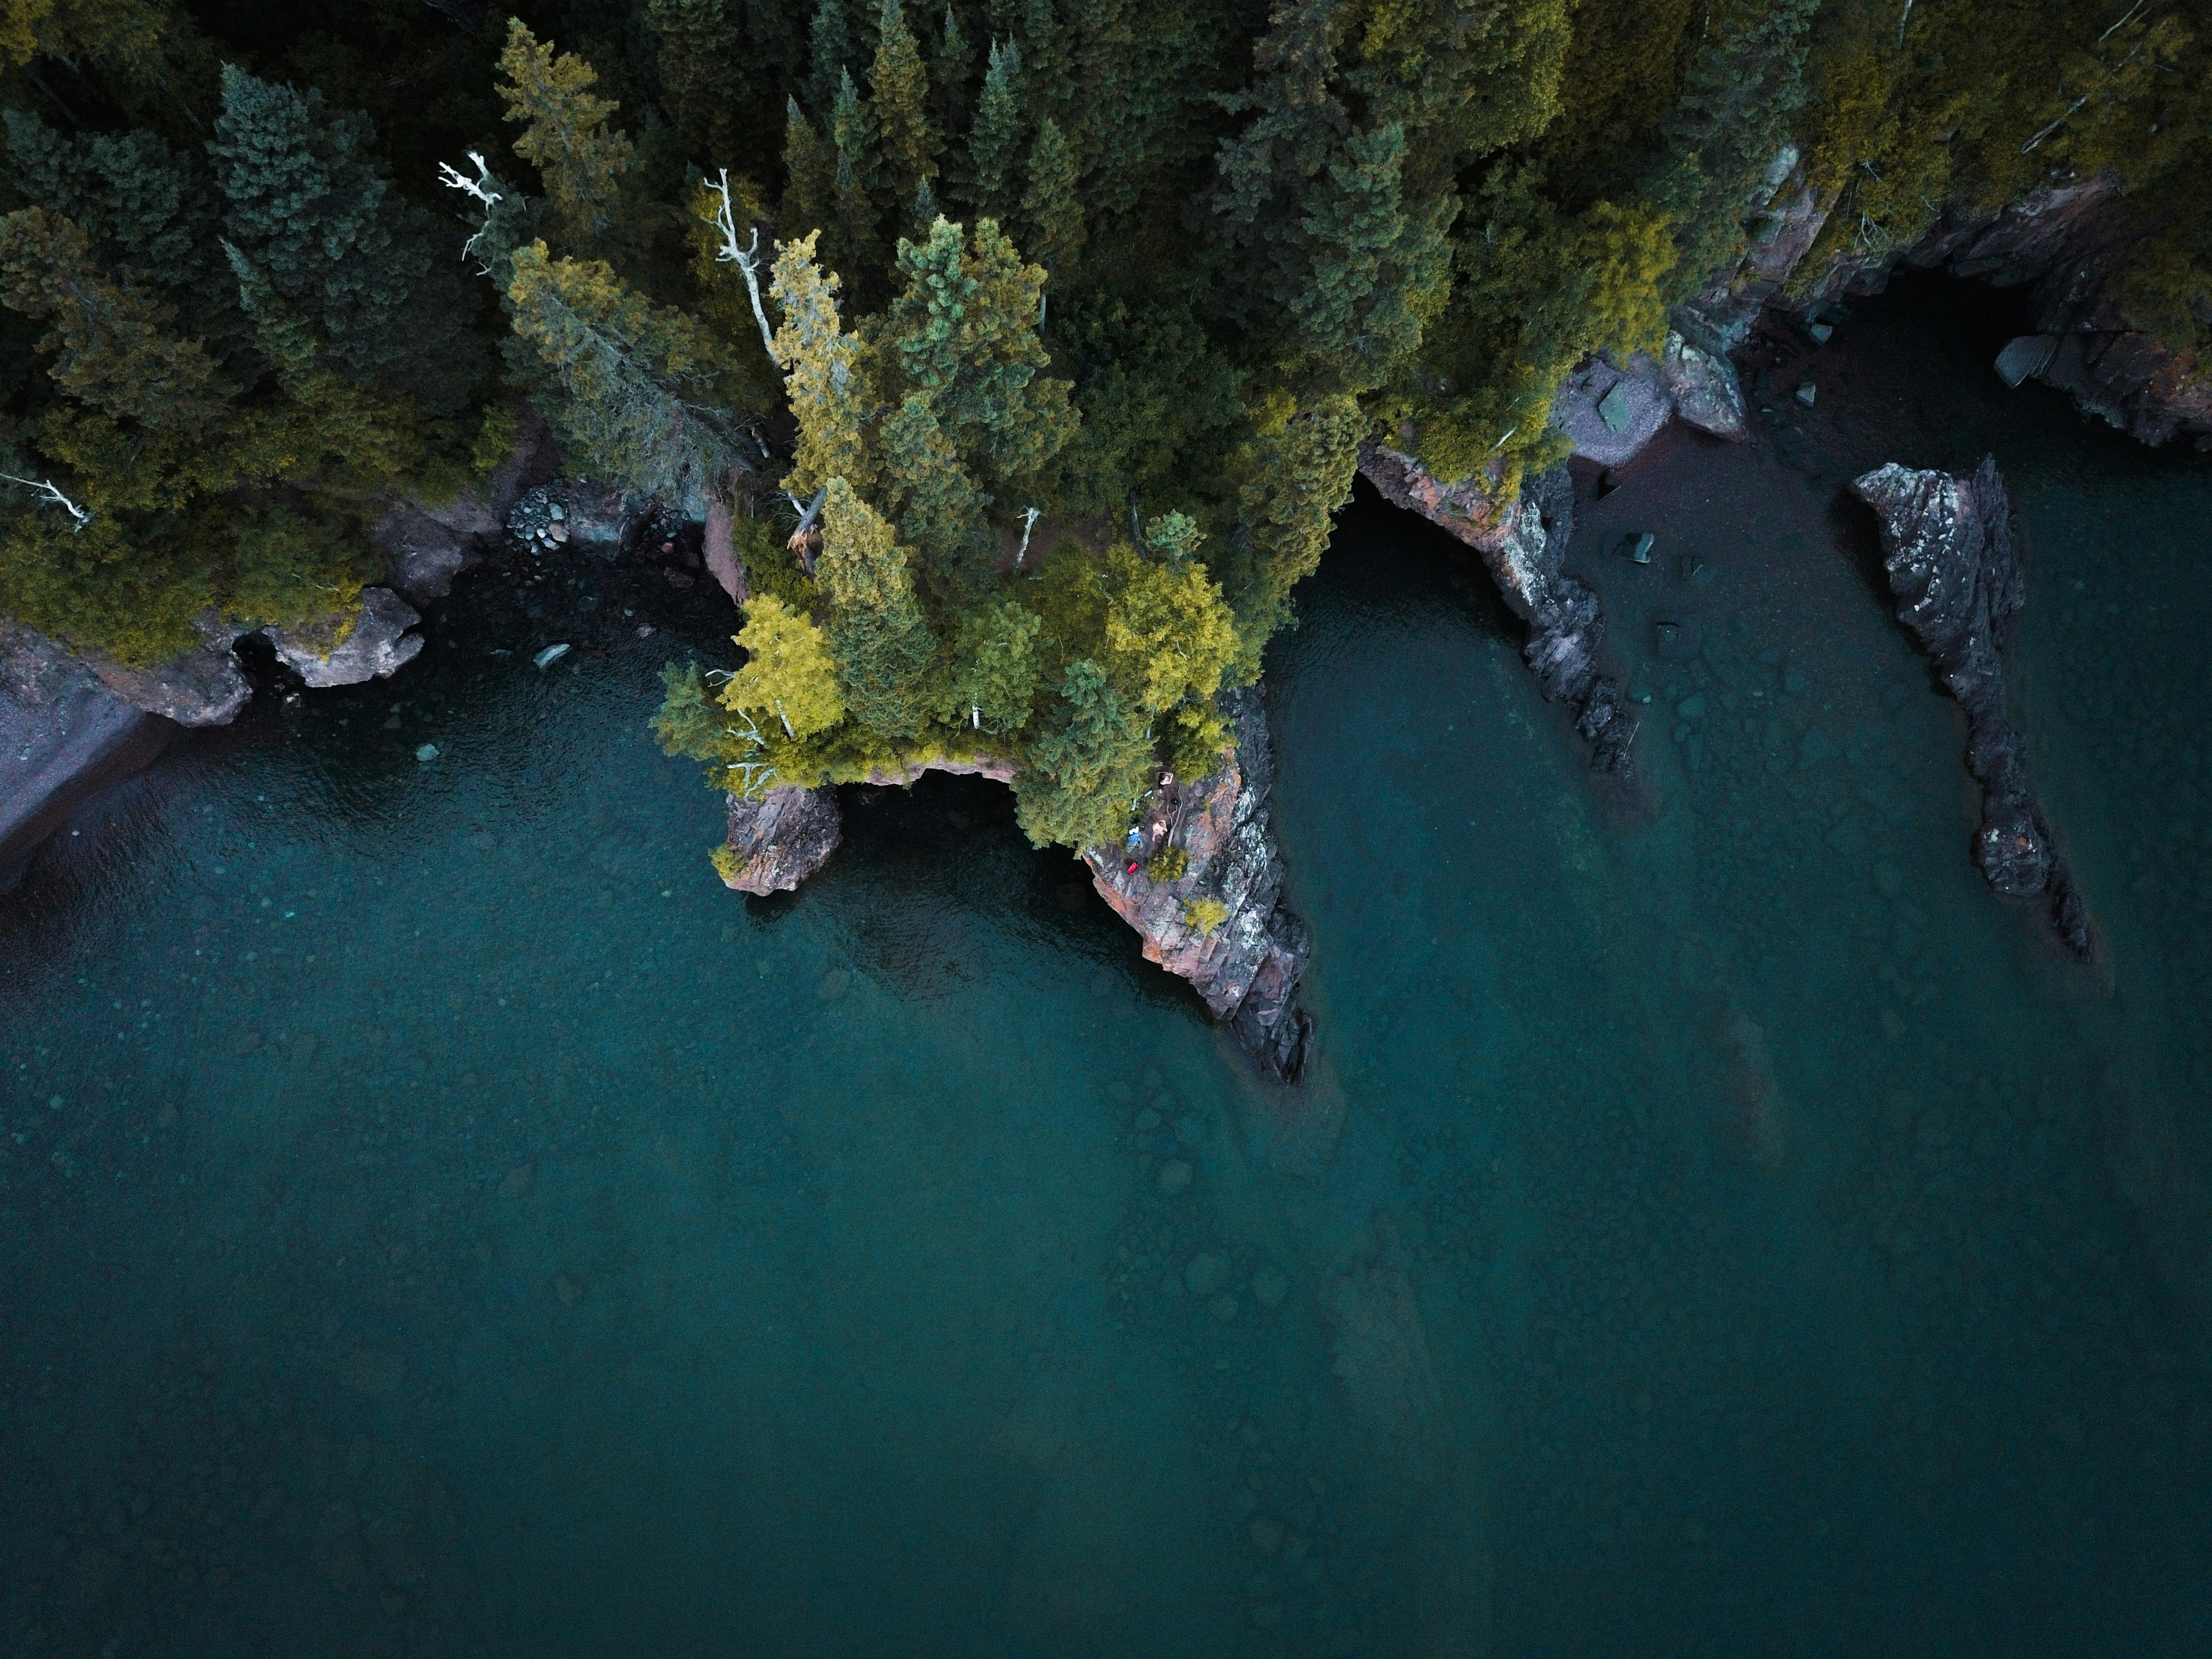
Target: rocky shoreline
1949, 545
1220, 922
68, 724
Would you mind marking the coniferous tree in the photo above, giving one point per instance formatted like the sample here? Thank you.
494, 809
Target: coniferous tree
963, 333
1052, 204
996, 665
939, 511
831, 53
994, 150
150, 208
821, 362
951, 66
636, 382
1084, 776
305, 205
790, 679
702, 44
853, 133
810, 166
882, 643
898, 90
1044, 54
111, 343
585, 164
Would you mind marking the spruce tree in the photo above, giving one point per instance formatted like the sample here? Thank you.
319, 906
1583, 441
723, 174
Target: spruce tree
811, 197
952, 65
996, 664
1170, 635
703, 47
939, 512
821, 363
853, 132
1052, 204
995, 148
150, 210
964, 333
637, 383
585, 164
898, 90
1044, 54
789, 681
1084, 777
306, 206
111, 343
830, 54
882, 645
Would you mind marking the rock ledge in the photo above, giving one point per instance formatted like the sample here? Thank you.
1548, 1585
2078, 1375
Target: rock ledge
1949, 547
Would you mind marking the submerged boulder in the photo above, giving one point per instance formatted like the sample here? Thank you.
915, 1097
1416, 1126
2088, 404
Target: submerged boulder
1950, 547
1219, 921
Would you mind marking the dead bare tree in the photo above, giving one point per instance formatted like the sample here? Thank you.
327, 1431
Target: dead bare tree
747, 259
479, 187
47, 491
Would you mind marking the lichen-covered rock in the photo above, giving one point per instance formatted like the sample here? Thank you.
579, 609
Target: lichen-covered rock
779, 839
1948, 545
62, 734
204, 687
376, 646
1221, 924
1705, 389
1467, 509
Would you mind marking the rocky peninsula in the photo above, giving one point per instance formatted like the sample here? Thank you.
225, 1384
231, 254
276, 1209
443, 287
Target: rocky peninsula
1950, 547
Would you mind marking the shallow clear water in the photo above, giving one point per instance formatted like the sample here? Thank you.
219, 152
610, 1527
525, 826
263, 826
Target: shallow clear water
442, 1219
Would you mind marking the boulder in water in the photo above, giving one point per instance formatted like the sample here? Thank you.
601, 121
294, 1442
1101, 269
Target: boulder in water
779, 838
372, 644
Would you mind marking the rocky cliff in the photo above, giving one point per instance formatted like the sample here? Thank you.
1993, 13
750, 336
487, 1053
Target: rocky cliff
1950, 547
1523, 543
1220, 922
2074, 241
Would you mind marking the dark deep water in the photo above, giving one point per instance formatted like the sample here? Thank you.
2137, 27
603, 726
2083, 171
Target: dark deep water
439, 1219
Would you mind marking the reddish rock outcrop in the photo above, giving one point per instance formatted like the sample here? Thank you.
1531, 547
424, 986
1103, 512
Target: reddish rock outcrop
1222, 923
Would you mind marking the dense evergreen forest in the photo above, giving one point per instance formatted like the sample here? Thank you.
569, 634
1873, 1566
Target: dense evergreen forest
1020, 348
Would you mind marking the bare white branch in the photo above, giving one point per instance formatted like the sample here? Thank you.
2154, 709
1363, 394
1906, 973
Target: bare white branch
1904, 17
47, 491
1029, 516
747, 259
480, 188
2129, 18
2072, 110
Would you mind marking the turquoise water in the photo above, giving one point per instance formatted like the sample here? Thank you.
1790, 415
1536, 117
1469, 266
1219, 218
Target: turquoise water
442, 1219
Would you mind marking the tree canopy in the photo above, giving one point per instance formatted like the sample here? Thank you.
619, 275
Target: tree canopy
1027, 345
